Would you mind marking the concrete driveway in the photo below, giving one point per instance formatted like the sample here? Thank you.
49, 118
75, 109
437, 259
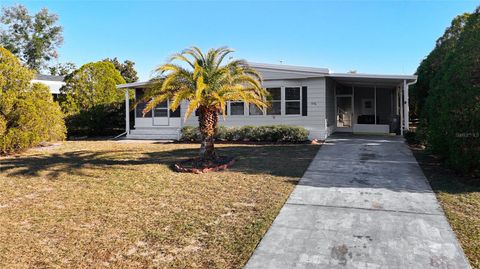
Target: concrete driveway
363, 203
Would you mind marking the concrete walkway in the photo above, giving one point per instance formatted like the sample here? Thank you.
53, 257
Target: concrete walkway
363, 203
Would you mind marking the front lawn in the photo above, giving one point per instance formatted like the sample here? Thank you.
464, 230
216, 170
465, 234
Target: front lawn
460, 199
116, 204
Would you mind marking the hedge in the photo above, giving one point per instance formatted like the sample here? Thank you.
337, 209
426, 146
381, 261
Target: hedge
451, 121
271, 133
28, 114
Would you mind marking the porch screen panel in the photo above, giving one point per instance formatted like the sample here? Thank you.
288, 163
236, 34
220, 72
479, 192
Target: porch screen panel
139, 93
176, 113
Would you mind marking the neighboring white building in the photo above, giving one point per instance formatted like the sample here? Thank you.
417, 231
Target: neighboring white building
54, 83
321, 101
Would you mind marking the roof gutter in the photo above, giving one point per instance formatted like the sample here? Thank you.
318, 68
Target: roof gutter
413, 82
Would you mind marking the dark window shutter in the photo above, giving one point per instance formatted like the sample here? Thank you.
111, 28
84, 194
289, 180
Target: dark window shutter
304, 101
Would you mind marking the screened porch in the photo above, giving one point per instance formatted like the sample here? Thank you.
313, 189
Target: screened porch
367, 104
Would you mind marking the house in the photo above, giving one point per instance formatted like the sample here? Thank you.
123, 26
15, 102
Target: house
54, 83
315, 98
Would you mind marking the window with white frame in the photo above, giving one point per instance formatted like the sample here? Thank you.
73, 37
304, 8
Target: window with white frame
275, 107
293, 101
254, 110
237, 108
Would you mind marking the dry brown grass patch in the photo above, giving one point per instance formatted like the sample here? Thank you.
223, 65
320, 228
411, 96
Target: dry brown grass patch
110, 204
460, 199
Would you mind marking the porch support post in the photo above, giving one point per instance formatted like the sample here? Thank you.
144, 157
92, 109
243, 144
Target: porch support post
405, 104
401, 110
127, 111
375, 101
353, 108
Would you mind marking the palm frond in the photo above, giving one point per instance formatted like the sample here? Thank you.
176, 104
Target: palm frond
206, 82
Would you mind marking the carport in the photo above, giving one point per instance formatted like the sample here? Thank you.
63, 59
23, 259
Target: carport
368, 103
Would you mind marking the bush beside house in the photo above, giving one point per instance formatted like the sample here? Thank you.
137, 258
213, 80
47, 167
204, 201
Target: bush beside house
450, 116
273, 133
28, 114
92, 103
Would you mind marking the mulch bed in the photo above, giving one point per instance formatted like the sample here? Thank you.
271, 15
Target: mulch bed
200, 166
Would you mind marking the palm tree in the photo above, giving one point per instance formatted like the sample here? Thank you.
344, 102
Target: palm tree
207, 85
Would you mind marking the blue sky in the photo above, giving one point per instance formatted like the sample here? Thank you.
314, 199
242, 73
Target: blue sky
386, 37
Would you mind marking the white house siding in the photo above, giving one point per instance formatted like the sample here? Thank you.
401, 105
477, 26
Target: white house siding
314, 122
54, 86
321, 116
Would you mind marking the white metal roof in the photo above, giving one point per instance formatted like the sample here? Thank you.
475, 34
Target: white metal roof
371, 79
133, 84
290, 68
280, 71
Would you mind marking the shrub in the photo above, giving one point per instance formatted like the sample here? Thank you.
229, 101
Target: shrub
411, 138
91, 101
273, 133
453, 107
190, 134
28, 114
99, 120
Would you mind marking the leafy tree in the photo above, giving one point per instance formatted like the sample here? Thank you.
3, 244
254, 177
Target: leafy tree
433, 62
28, 114
126, 69
453, 104
62, 69
91, 100
32, 38
207, 85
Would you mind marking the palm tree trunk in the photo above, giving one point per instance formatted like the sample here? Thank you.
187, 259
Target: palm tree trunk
208, 120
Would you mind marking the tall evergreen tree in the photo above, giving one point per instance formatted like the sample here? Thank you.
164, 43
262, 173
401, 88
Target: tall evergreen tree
62, 69
32, 38
91, 100
126, 69
453, 103
433, 62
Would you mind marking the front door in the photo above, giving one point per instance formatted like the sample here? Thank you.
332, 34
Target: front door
344, 113
161, 114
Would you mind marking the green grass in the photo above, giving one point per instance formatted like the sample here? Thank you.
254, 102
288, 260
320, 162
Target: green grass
111, 204
460, 199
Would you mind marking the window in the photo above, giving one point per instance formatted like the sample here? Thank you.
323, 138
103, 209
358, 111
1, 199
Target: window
161, 110
254, 110
292, 100
275, 107
237, 108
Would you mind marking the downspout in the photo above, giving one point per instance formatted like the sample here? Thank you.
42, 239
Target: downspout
402, 106
406, 104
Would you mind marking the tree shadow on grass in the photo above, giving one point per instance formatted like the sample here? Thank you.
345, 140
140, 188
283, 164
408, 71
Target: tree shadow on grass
278, 160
